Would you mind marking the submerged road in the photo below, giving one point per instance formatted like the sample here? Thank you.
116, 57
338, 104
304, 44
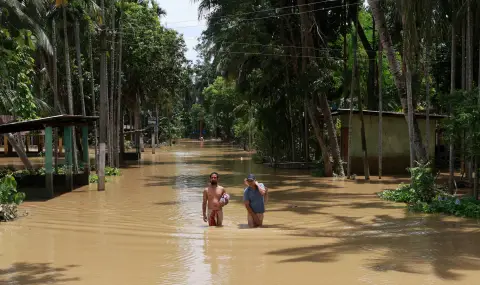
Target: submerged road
147, 228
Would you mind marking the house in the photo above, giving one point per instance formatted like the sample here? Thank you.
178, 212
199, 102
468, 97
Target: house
395, 140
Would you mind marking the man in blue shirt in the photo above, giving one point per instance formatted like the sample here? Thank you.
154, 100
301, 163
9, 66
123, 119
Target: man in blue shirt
253, 197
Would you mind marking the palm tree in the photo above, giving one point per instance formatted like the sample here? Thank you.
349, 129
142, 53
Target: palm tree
18, 9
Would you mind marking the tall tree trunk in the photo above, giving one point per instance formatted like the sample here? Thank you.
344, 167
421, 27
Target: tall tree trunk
103, 102
475, 182
410, 112
469, 74
119, 91
79, 66
398, 77
154, 142
427, 99
352, 90
366, 168
451, 157
137, 124
319, 134
464, 87
69, 85
58, 107
380, 108
307, 44
464, 52
345, 52
307, 153
327, 115
111, 143
291, 129
20, 150
56, 102
469, 67
370, 99
92, 92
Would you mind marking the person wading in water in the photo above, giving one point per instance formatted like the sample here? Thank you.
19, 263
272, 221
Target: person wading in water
254, 199
217, 198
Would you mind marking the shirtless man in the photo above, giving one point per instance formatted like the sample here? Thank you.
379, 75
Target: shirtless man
217, 198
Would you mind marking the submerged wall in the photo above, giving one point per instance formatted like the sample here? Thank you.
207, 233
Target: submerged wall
395, 145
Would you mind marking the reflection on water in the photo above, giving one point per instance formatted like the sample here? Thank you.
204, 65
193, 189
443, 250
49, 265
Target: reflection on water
147, 228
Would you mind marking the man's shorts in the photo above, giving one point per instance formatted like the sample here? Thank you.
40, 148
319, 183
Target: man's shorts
250, 219
218, 217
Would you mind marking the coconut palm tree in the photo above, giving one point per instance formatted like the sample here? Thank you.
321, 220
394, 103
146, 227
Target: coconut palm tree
24, 20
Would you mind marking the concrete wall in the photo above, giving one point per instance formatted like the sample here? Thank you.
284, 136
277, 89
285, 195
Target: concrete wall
396, 148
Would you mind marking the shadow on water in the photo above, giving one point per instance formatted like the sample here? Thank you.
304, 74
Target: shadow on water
35, 273
387, 243
404, 243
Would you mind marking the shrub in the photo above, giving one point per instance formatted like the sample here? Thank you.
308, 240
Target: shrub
466, 207
9, 198
111, 171
404, 194
424, 195
93, 178
421, 189
318, 170
423, 182
257, 158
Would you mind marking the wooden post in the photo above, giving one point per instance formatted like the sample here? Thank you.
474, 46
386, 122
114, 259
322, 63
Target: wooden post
49, 161
27, 143
67, 135
86, 157
60, 145
5, 144
153, 142
41, 142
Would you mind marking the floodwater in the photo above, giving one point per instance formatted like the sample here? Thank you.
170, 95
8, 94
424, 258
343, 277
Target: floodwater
147, 228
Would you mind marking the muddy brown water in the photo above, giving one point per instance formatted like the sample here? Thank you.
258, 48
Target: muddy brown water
147, 228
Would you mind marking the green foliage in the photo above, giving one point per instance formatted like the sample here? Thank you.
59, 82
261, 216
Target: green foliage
463, 122
319, 169
155, 67
423, 195
109, 171
423, 182
128, 144
17, 74
257, 158
93, 178
8, 191
422, 187
112, 171
403, 194
466, 207
219, 103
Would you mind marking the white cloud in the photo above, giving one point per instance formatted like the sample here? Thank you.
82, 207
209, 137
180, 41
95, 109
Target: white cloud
182, 16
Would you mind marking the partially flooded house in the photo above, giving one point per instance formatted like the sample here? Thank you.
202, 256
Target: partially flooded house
395, 140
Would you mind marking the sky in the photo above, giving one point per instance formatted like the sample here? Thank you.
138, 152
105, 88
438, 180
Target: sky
182, 16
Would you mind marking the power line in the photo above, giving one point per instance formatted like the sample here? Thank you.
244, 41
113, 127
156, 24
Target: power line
259, 11
265, 17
